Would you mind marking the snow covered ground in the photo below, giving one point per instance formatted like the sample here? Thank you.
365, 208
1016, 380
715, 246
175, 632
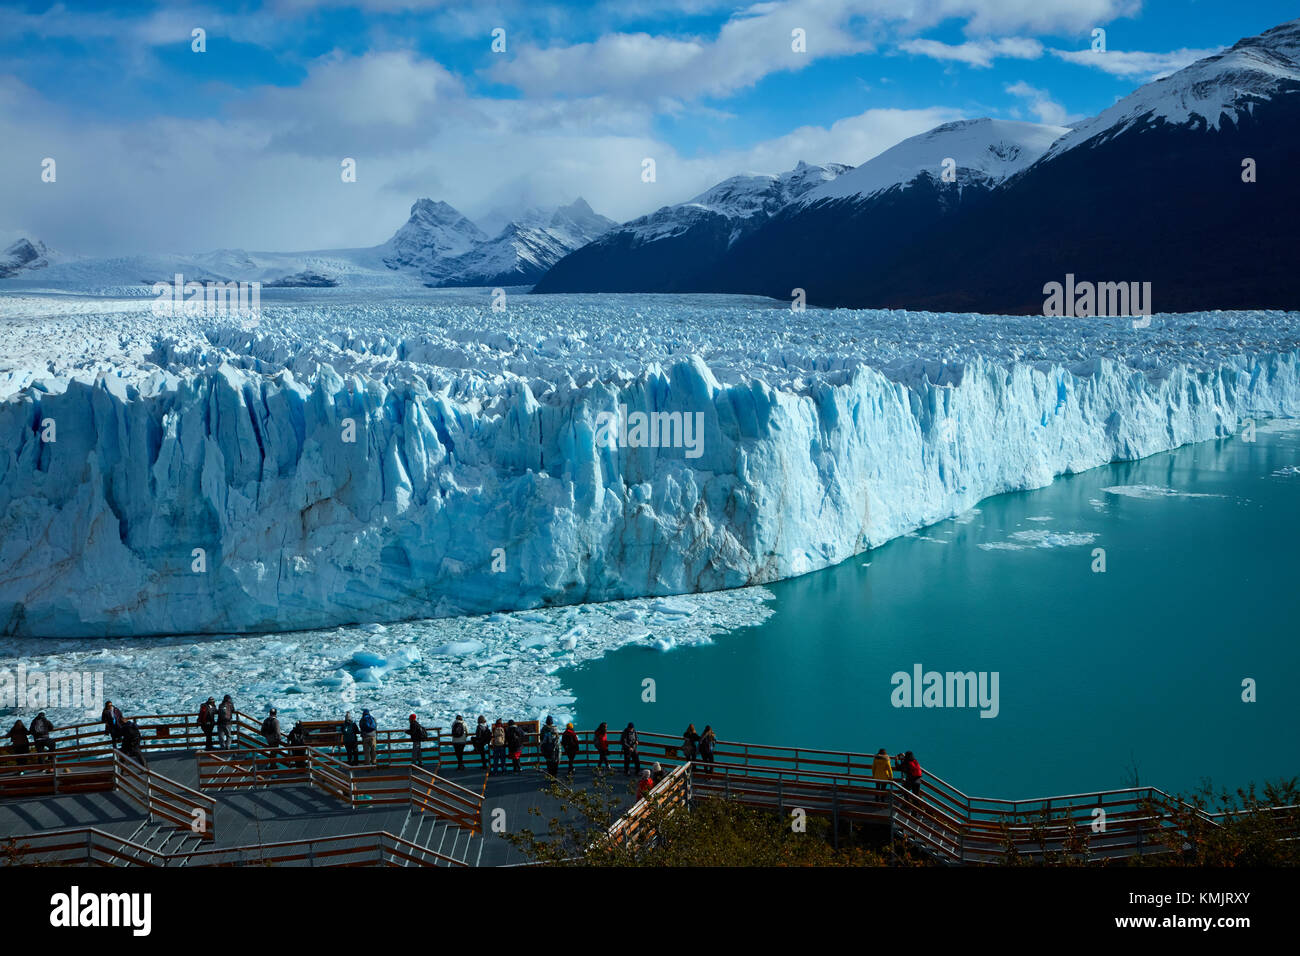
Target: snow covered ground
476, 482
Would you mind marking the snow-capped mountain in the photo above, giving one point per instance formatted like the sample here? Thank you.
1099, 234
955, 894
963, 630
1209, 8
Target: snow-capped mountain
436, 246
985, 152
1209, 93
435, 232
1186, 183
674, 248
863, 220
524, 249
24, 255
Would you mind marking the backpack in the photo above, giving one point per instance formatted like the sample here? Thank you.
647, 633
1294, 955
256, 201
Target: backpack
421, 733
205, 714
266, 727
548, 743
458, 729
368, 724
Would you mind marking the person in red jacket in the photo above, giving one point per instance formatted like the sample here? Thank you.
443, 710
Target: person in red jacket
644, 785
569, 744
602, 746
911, 771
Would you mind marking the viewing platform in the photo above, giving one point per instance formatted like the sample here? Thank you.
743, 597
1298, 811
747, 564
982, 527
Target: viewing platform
88, 804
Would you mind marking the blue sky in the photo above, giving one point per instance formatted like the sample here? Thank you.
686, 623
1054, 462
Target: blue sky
160, 147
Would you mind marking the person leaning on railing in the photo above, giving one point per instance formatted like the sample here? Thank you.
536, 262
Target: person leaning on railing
225, 721
569, 742
349, 731
208, 720
459, 738
882, 768
113, 722
369, 734
482, 740
20, 743
41, 729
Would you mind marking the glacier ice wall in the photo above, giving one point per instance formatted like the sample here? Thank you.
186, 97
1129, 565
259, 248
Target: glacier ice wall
303, 529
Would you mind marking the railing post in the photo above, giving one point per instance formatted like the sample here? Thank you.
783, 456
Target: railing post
835, 812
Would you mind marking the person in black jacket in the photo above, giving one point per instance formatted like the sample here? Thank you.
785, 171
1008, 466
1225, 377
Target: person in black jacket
514, 742
21, 743
349, 731
208, 721
482, 740
418, 735
631, 748
41, 729
132, 743
550, 747
113, 722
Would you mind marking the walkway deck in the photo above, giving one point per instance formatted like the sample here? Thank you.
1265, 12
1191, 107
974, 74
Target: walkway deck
251, 805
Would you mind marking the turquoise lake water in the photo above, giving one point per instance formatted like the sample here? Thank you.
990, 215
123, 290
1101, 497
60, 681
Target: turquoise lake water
1103, 677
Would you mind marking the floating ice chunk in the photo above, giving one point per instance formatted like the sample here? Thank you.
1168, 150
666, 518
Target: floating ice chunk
1152, 492
457, 649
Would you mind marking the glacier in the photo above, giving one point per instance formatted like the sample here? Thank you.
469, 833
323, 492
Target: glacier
475, 483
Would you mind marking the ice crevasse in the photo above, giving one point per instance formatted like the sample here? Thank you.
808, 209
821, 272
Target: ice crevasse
227, 499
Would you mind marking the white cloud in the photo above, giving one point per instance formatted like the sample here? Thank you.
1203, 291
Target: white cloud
1135, 62
976, 53
1041, 105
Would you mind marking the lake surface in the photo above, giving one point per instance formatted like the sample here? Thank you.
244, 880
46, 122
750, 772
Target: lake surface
1104, 678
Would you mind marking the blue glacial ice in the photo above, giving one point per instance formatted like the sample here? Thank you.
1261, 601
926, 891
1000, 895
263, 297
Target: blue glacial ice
202, 481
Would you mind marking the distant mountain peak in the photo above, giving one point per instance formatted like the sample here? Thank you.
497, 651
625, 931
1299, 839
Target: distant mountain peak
24, 255
1223, 85
986, 152
435, 230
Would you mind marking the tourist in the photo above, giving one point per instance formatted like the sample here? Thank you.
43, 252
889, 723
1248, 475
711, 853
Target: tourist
690, 743
708, 740
369, 737
482, 740
882, 768
133, 743
21, 743
515, 737
271, 732
911, 770
225, 722
644, 785
350, 731
112, 718
550, 747
602, 746
459, 738
297, 742
418, 735
499, 747
41, 729
658, 773
570, 744
208, 720
631, 749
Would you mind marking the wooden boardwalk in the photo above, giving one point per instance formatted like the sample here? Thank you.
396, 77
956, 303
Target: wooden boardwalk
255, 806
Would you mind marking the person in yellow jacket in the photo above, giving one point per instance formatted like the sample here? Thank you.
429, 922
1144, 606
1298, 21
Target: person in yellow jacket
882, 768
